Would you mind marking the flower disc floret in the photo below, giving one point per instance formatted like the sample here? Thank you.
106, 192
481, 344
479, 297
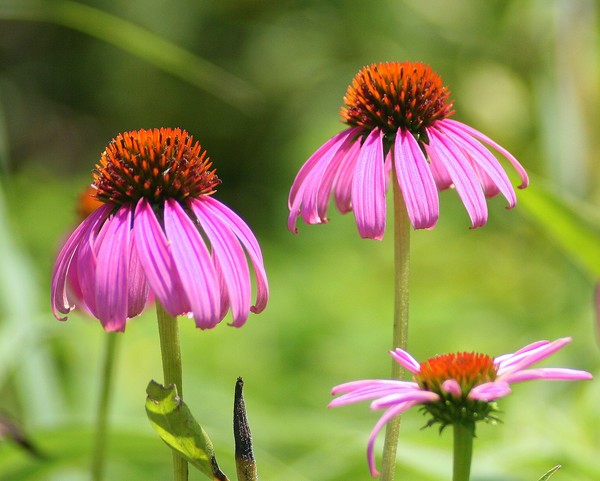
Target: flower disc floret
468, 369
155, 164
395, 95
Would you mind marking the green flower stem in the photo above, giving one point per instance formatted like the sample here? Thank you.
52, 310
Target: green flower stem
99, 449
463, 450
400, 334
168, 331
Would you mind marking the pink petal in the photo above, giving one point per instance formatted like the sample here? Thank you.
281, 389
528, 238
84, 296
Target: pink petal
452, 386
231, 259
389, 414
87, 264
304, 191
138, 286
416, 181
60, 302
111, 271
489, 391
483, 159
459, 126
500, 360
246, 237
222, 287
549, 374
373, 383
331, 172
86, 272
344, 178
462, 174
523, 360
402, 397
194, 265
370, 389
368, 188
406, 360
154, 254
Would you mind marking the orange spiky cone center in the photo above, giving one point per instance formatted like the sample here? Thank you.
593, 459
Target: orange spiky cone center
155, 164
396, 95
467, 368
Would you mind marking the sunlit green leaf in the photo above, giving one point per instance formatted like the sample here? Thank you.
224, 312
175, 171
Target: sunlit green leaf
550, 473
176, 426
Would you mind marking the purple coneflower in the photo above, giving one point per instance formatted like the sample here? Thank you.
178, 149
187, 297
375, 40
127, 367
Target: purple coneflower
159, 232
398, 114
455, 389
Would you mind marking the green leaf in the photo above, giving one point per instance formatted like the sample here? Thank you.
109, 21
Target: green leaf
176, 426
550, 473
571, 224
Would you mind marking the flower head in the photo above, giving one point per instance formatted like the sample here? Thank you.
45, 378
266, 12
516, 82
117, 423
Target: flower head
453, 388
159, 233
398, 115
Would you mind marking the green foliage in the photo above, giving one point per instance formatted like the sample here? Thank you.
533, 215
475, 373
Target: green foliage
176, 426
74, 74
546, 476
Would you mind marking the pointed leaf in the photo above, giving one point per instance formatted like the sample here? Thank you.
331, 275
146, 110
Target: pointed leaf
550, 473
176, 426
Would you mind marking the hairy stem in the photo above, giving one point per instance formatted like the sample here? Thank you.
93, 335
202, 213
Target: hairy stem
400, 331
168, 330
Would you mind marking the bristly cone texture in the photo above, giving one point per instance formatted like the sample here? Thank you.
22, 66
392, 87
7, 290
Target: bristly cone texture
156, 164
396, 95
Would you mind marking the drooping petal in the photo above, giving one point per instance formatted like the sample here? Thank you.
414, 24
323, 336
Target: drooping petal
231, 259
490, 189
154, 254
548, 374
489, 391
440, 174
222, 287
304, 192
459, 126
194, 265
60, 301
483, 159
344, 178
86, 271
112, 271
387, 416
331, 172
368, 188
246, 237
138, 290
406, 360
463, 176
452, 386
416, 181
87, 261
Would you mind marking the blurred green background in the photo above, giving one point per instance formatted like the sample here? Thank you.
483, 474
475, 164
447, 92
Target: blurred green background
259, 84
